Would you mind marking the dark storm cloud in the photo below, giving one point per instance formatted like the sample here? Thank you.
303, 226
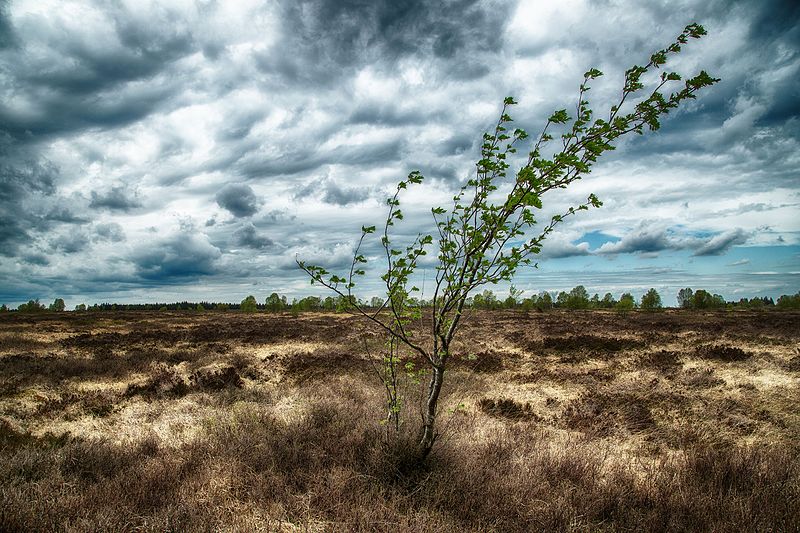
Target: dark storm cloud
36, 258
774, 19
7, 37
78, 81
239, 199
323, 38
64, 113
758, 88
248, 236
24, 178
117, 198
13, 234
26, 175
176, 258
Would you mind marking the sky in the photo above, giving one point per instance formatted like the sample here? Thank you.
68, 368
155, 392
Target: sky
191, 150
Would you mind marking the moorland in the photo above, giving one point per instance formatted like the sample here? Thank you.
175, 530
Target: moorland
556, 421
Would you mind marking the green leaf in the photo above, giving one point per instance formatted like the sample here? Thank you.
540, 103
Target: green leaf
559, 117
592, 74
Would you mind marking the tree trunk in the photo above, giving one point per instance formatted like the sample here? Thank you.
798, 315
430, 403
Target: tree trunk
429, 417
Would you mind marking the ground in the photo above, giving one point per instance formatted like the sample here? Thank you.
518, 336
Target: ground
551, 421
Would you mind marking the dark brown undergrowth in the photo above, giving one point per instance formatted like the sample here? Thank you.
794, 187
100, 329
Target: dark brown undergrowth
661, 360
793, 365
332, 469
488, 361
507, 408
592, 343
722, 352
315, 366
604, 413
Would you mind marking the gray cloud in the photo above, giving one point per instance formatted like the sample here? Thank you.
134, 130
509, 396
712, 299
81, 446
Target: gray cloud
63, 213
239, 199
36, 258
653, 239
301, 160
7, 36
322, 39
248, 236
641, 240
82, 79
177, 257
70, 243
329, 191
719, 244
109, 232
117, 198
559, 248
334, 194
24, 178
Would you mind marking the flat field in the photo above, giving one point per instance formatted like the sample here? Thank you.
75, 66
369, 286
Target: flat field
560, 421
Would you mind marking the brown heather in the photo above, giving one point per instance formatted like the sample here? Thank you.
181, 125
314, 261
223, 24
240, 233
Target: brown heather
565, 421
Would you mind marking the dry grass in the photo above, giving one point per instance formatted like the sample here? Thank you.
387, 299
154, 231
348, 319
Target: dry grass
553, 422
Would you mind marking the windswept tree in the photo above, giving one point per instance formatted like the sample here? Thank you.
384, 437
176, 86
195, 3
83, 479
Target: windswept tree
485, 236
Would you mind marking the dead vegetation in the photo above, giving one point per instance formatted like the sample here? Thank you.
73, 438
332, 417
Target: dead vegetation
555, 422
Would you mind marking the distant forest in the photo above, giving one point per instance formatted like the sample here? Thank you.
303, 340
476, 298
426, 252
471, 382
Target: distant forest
577, 298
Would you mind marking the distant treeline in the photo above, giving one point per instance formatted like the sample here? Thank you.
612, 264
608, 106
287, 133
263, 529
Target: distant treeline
577, 298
